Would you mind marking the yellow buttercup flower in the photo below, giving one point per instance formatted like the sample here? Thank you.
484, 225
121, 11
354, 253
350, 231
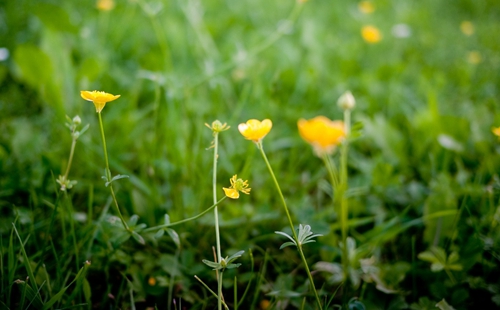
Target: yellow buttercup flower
474, 57
237, 186
467, 28
366, 7
322, 133
99, 98
371, 34
105, 5
255, 130
496, 131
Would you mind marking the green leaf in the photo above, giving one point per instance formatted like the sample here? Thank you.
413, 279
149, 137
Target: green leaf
159, 234
175, 237
284, 245
138, 238
437, 266
32, 296
60, 294
428, 256
443, 305
35, 65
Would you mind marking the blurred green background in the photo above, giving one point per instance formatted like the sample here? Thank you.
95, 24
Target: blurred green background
427, 96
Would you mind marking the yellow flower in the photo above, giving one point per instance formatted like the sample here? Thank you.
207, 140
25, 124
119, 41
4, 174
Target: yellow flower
366, 7
152, 281
105, 5
496, 131
99, 98
371, 34
237, 186
255, 130
467, 28
323, 134
474, 57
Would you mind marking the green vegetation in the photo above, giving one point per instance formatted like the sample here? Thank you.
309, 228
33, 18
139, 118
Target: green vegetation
405, 214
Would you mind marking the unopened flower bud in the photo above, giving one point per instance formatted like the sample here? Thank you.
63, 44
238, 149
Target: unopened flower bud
77, 120
346, 101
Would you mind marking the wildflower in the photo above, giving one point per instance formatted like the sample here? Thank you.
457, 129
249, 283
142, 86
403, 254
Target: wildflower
371, 34
346, 101
474, 57
217, 126
152, 281
467, 28
255, 130
105, 5
496, 131
401, 31
237, 186
99, 98
323, 134
366, 7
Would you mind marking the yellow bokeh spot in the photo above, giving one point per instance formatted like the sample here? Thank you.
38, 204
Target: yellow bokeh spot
371, 34
467, 28
474, 57
322, 133
366, 7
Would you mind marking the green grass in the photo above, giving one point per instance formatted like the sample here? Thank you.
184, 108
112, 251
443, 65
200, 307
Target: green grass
423, 172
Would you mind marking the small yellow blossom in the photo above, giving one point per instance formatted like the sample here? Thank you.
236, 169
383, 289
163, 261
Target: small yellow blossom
322, 133
467, 28
105, 5
265, 304
255, 130
152, 281
496, 131
474, 57
99, 98
371, 34
237, 186
366, 7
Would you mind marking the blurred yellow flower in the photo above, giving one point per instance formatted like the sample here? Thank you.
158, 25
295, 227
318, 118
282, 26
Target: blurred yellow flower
474, 57
366, 7
322, 133
371, 34
237, 186
255, 130
105, 5
467, 28
152, 281
496, 131
99, 98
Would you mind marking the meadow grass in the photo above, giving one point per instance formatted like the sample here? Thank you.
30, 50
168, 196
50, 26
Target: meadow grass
423, 217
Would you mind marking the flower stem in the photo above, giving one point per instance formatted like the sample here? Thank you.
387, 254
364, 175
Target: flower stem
71, 153
188, 219
299, 246
108, 174
216, 216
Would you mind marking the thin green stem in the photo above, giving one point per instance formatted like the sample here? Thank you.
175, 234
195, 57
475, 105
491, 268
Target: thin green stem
216, 216
186, 220
70, 160
299, 246
108, 174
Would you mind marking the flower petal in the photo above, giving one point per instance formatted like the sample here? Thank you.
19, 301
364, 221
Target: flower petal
231, 193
